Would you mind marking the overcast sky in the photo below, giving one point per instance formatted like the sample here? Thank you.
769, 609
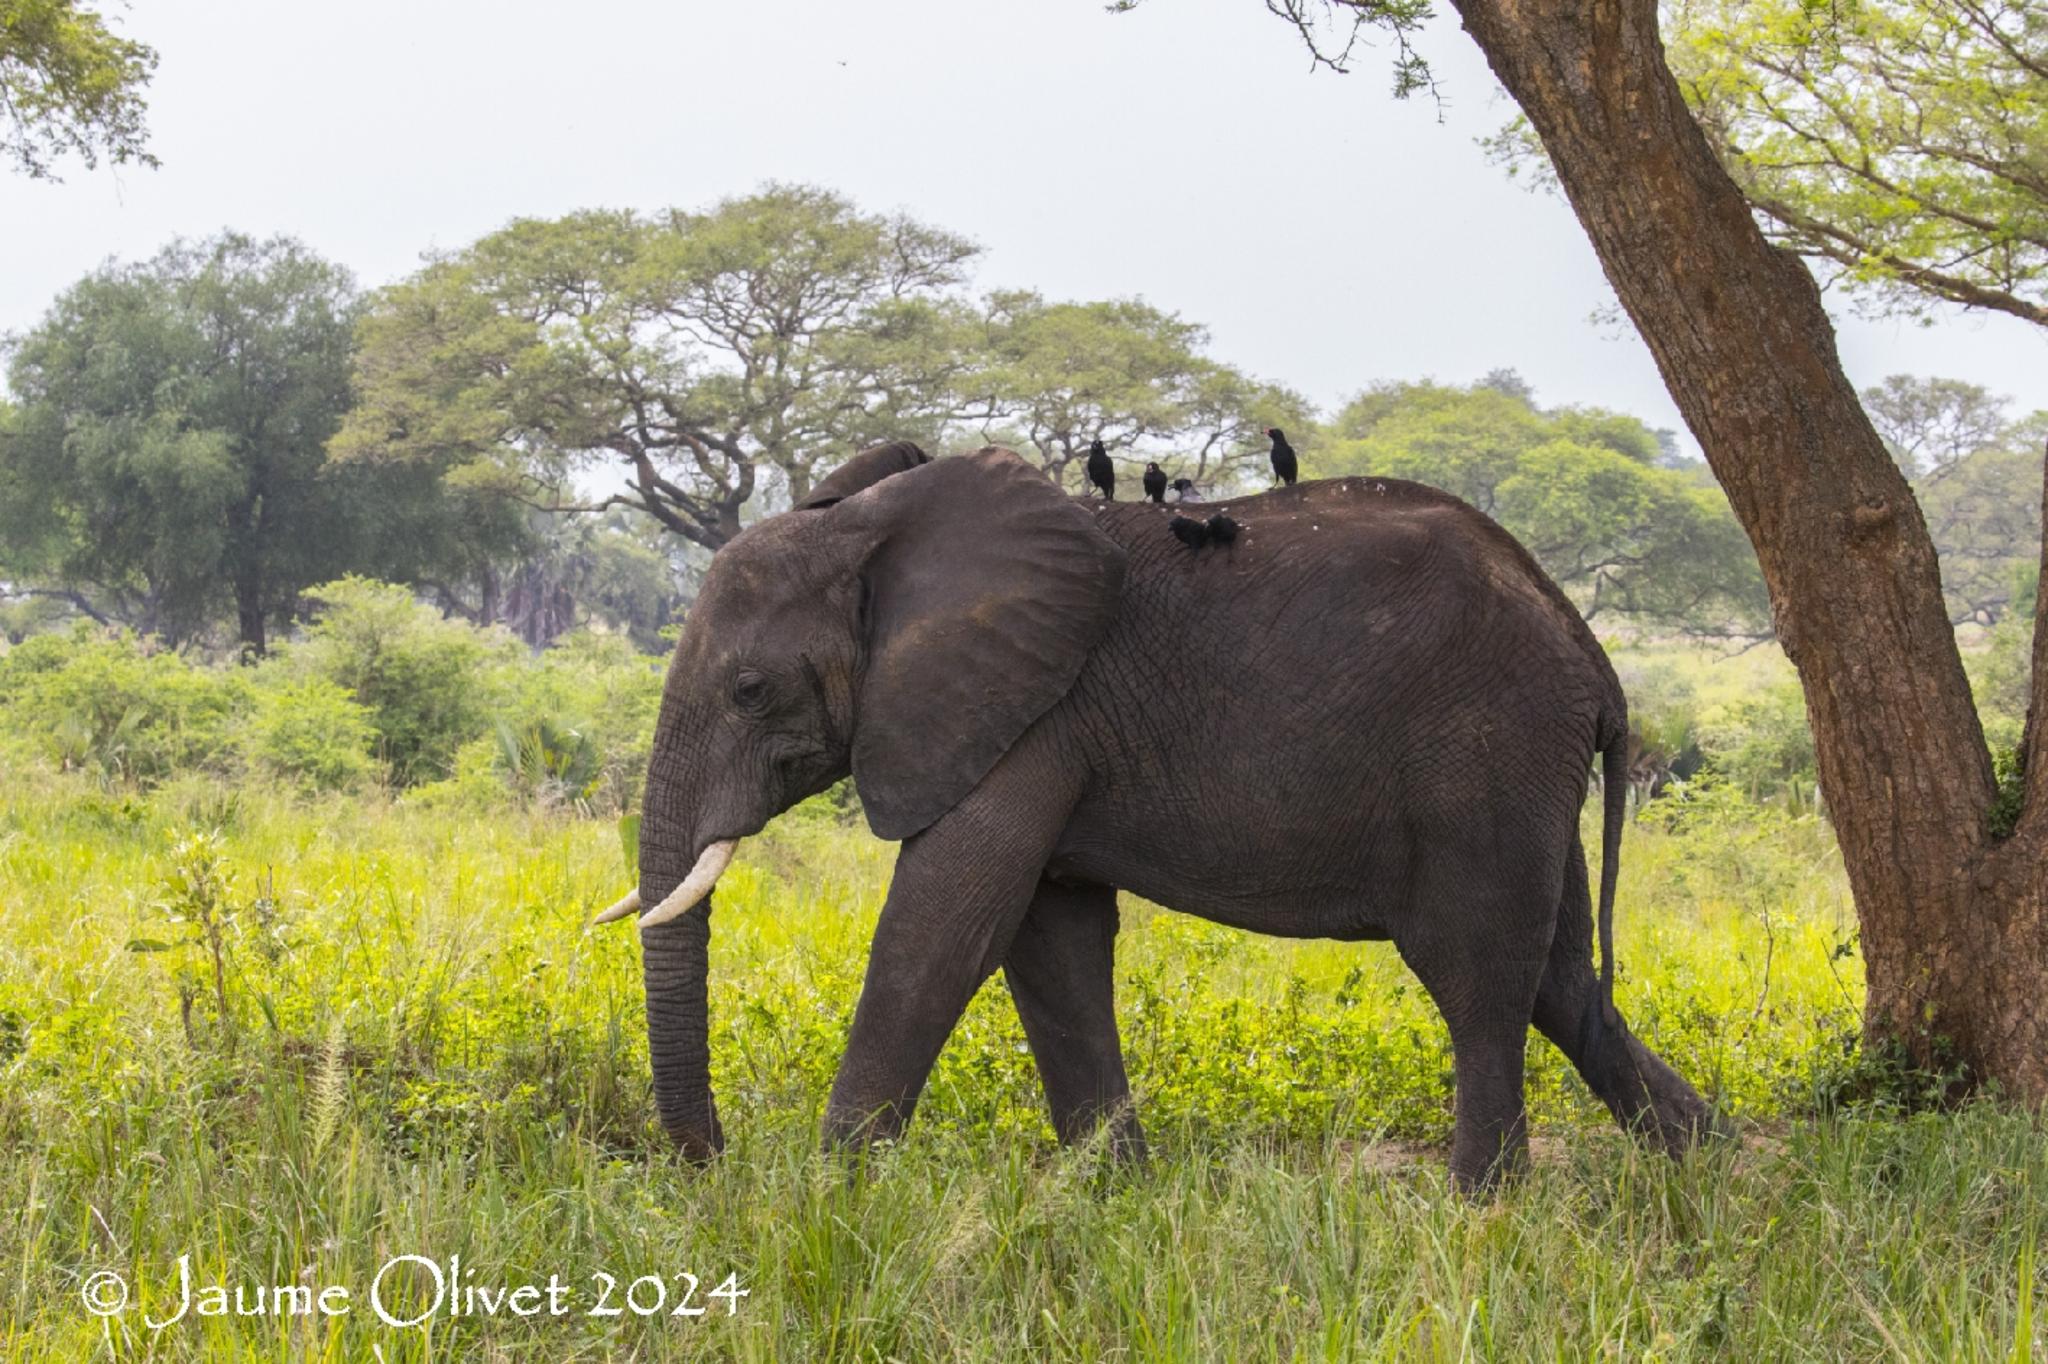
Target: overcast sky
1326, 234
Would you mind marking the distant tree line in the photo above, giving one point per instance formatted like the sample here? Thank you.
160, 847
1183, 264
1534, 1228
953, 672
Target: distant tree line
560, 423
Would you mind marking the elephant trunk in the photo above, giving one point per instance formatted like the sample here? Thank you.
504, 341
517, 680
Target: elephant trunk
675, 953
675, 963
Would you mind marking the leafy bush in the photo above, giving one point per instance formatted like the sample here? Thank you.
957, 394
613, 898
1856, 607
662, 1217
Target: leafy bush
548, 763
1761, 743
572, 727
1999, 673
112, 706
477, 784
311, 732
604, 692
426, 682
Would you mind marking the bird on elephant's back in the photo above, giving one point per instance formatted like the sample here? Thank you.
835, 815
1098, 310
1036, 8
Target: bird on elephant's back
1394, 716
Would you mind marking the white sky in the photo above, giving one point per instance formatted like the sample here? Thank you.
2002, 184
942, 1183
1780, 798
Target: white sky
1326, 234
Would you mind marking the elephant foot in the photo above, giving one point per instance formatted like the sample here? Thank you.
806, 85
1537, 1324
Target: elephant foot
853, 1131
1647, 1097
698, 1136
1112, 1128
1662, 1109
1485, 1160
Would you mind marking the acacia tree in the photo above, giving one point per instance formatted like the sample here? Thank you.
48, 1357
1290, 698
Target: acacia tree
69, 85
1951, 886
1051, 377
1933, 425
710, 360
1896, 144
696, 355
1986, 527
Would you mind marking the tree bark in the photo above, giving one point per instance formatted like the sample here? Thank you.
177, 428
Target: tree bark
487, 595
246, 573
1954, 919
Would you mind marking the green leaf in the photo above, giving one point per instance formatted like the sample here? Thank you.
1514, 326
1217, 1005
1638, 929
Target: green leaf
151, 945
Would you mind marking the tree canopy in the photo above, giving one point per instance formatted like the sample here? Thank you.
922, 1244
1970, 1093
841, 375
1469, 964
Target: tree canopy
1896, 144
69, 86
1585, 489
696, 356
168, 457
722, 361
1050, 377
1899, 143
1977, 474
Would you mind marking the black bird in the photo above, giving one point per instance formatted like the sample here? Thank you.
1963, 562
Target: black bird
1285, 467
1101, 472
1155, 482
1189, 531
1222, 530
1184, 490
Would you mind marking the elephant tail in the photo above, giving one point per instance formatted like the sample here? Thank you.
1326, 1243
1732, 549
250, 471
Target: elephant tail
1614, 791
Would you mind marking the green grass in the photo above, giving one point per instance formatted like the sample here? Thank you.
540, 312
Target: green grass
428, 1054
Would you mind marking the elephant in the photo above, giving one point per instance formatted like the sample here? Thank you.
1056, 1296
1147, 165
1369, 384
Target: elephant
1370, 717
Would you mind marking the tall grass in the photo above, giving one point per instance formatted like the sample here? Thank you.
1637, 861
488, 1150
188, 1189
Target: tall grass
424, 1052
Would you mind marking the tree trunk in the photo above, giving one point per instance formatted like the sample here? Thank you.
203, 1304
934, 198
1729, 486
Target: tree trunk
1955, 920
245, 570
487, 596
249, 615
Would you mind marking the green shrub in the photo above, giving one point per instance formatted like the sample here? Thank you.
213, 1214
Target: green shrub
576, 723
1761, 742
572, 727
548, 763
476, 785
310, 732
114, 707
427, 683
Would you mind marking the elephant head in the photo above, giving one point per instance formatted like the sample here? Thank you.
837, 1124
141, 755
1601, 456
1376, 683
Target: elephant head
907, 623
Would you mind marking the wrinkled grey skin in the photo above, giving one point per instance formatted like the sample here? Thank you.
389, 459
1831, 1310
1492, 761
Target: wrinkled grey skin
1397, 713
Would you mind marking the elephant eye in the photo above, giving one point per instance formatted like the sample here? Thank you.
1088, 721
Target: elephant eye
750, 691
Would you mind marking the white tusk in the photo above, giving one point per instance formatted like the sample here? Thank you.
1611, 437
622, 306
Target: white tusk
621, 909
711, 864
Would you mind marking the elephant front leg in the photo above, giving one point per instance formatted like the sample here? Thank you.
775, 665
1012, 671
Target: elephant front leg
1061, 972
958, 894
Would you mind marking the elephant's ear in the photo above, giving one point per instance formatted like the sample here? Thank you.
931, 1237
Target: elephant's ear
983, 593
864, 470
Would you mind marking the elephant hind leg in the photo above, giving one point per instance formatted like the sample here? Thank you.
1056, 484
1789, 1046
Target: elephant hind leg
1061, 973
1645, 1095
1485, 1000
1478, 946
